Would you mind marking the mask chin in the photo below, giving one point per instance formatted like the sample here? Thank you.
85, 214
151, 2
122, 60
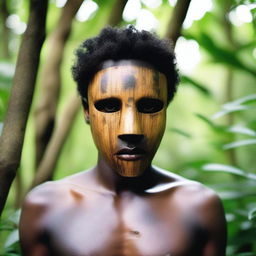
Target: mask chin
131, 168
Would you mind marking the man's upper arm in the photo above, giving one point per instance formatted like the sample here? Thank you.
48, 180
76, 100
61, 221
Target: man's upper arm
213, 219
30, 227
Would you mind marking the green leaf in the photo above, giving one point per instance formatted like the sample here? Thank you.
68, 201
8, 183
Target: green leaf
232, 195
235, 106
215, 167
244, 254
197, 85
230, 109
252, 214
247, 99
12, 238
15, 217
239, 143
11, 254
246, 46
211, 123
241, 130
181, 132
221, 54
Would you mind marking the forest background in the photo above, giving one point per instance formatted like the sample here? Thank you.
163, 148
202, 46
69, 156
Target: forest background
211, 129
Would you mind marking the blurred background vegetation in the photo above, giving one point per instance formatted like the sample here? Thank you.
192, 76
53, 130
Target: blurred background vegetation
211, 130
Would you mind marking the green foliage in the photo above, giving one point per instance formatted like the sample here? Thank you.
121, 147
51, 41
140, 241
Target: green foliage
6, 73
217, 150
241, 215
9, 227
188, 80
220, 54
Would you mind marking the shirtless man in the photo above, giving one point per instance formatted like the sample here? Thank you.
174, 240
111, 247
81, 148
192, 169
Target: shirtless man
124, 206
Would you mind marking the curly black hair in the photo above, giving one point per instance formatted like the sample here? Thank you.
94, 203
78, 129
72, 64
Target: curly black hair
124, 44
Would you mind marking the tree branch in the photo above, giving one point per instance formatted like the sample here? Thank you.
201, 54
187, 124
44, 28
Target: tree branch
49, 160
117, 13
45, 110
175, 25
48, 163
12, 137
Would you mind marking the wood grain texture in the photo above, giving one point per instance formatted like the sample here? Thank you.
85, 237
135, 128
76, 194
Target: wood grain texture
108, 128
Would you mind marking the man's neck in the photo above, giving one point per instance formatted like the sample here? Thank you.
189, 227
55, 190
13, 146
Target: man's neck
111, 180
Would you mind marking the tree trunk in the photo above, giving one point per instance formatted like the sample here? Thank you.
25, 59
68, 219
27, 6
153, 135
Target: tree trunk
229, 73
48, 163
11, 140
175, 25
49, 160
116, 14
45, 110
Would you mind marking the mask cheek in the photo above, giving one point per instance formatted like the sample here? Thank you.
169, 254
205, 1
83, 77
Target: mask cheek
104, 132
154, 127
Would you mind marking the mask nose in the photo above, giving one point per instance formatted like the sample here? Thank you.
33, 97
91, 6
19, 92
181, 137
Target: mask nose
131, 138
130, 127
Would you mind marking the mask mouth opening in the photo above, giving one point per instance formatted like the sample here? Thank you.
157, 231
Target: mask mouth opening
131, 151
130, 154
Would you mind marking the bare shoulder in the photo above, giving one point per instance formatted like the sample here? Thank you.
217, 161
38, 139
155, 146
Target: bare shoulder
193, 196
198, 194
202, 208
44, 195
194, 193
40, 206
195, 201
34, 209
202, 200
38, 202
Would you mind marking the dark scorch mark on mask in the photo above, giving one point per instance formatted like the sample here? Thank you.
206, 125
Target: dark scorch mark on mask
130, 100
129, 82
104, 83
156, 82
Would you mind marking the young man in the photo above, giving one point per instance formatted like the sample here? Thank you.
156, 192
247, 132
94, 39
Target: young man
124, 206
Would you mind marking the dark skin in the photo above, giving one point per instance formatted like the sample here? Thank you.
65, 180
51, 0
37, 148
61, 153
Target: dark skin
112, 211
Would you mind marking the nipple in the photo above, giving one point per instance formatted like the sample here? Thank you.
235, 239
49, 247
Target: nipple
135, 233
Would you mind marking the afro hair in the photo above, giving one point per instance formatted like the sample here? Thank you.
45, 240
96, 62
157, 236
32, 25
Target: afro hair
124, 44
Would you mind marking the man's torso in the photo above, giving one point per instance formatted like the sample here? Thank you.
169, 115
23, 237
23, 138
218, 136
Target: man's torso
79, 221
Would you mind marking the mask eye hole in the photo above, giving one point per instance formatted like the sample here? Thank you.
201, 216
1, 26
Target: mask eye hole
109, 105
149, 105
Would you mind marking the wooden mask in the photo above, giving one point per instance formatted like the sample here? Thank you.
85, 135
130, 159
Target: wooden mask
127, 111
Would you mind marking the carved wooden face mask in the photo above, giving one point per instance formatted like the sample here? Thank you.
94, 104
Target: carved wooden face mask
127, 110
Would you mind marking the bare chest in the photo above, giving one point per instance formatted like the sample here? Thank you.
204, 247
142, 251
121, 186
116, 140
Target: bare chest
123, 227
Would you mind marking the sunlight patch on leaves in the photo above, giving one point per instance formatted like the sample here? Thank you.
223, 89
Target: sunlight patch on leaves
239, 143
213, 167
242, 130
245, 254
244, 100
234, 106
252, 214
229, 109
12, 238
232, 195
